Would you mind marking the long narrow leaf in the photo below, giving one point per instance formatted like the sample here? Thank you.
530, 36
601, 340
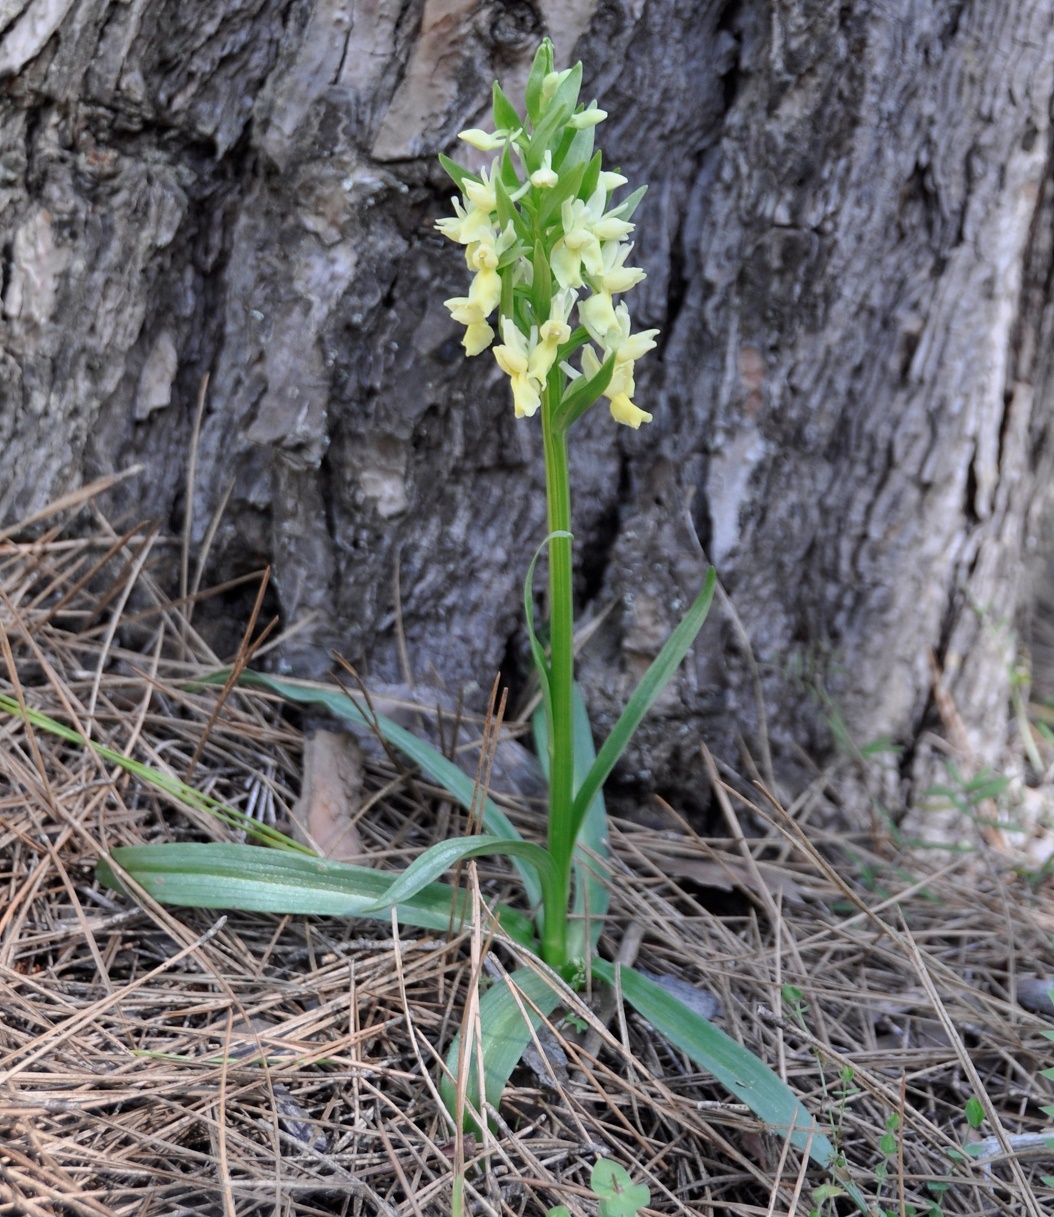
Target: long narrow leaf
507, 1021
226, 876
591, 844
735, 1067
441, 857
652, 683
430, 760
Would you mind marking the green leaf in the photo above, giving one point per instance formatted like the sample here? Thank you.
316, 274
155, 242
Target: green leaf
619, 1196
736, 1068
222, 875
560, 108
509, 173
542, 286
566, 188
430, 760
509, 213
591, 845
510, 1013
444, 855
576, 148
458, 172
625, 209
542, 66
974, 1112
652, 683
592, 177
583, 394
505, 116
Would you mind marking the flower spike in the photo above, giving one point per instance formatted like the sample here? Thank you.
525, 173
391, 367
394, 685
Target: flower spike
544, 242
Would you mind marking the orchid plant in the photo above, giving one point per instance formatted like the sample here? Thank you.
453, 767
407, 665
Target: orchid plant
547, 242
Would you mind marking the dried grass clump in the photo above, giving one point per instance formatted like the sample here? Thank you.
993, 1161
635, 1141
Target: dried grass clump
158, 1061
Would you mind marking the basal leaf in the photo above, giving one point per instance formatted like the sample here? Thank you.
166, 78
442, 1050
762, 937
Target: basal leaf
446, 854
230, 876
430, 760
735, 1067
510, 1012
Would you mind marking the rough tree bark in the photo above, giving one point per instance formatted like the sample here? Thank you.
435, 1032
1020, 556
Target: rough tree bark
849, 245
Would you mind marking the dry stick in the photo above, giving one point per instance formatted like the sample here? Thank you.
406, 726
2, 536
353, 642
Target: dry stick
188, 494
400, 636
210, 536
195, 597
780, 1165
56, 806
755, 678
774, 913
900, 1141
484, 768
20, 697
75, 498
221, 1123
92, 571
241, 660
980, 1092
150, 587
115, 621
370, 714
131, 562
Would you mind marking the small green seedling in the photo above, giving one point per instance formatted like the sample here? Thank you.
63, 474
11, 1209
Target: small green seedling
617, 1194
974, 1112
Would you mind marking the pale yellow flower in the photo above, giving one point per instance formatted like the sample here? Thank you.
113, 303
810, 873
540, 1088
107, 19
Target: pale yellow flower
589, 117
466, 226
487, 142
551, 83
630, 347
617, 276
478, 336
624, 411
481, 194
585, 226
621, 386
598, 316
545, 178
514, 360
551, 335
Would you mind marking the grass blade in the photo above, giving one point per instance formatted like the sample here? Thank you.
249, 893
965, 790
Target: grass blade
652, 683
225, 876
507, 1021
430, 760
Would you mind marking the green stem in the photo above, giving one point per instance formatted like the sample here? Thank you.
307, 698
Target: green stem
561, 678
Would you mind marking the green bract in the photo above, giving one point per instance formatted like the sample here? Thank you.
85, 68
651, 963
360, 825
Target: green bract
545, 240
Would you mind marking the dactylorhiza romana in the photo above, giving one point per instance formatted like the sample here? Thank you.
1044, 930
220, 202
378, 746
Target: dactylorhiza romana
546, 243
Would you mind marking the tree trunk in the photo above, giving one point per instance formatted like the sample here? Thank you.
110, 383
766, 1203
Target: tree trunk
848, 237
